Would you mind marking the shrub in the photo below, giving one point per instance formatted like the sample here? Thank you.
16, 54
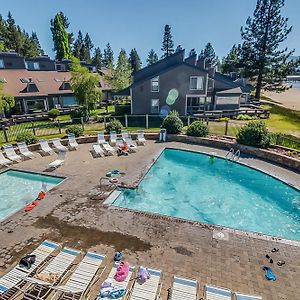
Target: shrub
223, 119
27, 137
254, 134
53, 113
74, 129
114, 125
245, 117
197, 128
172, 123
77, 114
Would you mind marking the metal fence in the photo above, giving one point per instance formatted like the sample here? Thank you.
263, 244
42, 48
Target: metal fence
49, 129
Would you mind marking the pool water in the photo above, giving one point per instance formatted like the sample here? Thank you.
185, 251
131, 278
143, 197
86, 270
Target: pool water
193, 186
17, 188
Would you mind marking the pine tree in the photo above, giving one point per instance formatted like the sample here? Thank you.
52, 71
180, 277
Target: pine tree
232, 62
265, 60
36, 42
209, 53
192, 52
168, 44
97, 58
152, 58
86, 49
178, 48
14, 35
66, 25
108, 57
121, 76
134, 60
78, 45
60, 38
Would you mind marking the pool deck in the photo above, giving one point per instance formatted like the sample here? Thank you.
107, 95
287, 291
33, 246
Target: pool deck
73, 214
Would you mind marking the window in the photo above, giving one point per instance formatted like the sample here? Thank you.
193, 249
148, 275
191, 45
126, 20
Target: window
154, 106
196, 83
154, 85
36, 65
210, 83
1, 64
208, 100
31, 65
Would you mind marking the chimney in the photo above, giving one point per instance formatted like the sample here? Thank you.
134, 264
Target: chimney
201, 62
191, 60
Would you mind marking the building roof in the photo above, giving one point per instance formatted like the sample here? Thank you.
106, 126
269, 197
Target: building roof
234, 91
46, 82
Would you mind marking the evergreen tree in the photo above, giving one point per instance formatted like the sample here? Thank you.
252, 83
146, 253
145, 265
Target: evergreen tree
66, 25
121, 75
178, 48
36, 42
108, 57
232, 62
14, 35
78, 45
134, 60
60, 38
192, 52
168, 44
152, 58
264, 59
86, 49
97, 58
209, 53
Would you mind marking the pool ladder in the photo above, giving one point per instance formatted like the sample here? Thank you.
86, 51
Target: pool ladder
233, 155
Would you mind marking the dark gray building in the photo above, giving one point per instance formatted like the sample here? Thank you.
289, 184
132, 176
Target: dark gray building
189, 86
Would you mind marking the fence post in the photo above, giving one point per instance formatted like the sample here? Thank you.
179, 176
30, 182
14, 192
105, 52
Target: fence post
189, 120
126, 120
278, 139
226, 127
5, 133
59, 128
82, 123
147, 121
33, 128
104, 121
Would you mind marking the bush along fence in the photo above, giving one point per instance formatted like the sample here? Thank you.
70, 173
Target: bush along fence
221, 127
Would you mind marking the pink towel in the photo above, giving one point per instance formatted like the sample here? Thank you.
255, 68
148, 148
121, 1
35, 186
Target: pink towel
122, 271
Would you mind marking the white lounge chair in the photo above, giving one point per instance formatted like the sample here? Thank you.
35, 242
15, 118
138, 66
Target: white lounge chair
100, 138
140, 137
184, 289
58, 162
132, 147
61, 264
216, 293
11, 282
238, 296
4, 161
11, 154
24, 150
58, 145
46, 149
123, 284
73, 145
78, 285
108, 149
113, 137
149, 290
97, 150
124, 134
119, 142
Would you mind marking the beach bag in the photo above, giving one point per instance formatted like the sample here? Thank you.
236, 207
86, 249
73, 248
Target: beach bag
143, 275
27, 261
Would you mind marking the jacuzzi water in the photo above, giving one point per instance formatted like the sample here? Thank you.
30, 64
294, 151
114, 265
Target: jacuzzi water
17, 188
193, 186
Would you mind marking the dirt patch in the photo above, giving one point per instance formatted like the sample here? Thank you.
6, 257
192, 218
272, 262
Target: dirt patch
74, 236
183, 251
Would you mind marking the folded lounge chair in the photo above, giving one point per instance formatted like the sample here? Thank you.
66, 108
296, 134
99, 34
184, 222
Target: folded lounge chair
184, 289
140, 137
73, 145
13, 281
112, 137
149, 290
100, 138
11, 154
132, 147
46, 149
78, 285
58, 162
124, 134
60, 265
24, 150
238, 296
58, 145
4, 161
97, 150
108, 149
217, 293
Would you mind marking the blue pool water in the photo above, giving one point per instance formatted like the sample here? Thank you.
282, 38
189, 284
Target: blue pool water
19, 188
190, 185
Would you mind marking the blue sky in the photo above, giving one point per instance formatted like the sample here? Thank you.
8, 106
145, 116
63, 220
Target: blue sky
139, 23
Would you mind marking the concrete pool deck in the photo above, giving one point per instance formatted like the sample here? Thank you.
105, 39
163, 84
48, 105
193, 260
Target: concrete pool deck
73, 214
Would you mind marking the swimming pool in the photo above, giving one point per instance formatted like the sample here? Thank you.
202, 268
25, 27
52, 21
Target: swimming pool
17, 188
192, 186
